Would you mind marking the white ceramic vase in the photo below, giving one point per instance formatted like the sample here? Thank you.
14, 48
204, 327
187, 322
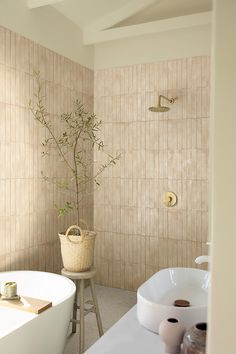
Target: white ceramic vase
172, 332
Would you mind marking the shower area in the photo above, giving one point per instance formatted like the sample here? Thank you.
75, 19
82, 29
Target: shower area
155, 115
163, 143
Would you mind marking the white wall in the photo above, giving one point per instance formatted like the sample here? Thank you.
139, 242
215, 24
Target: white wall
222, 314
47, 27
180, 43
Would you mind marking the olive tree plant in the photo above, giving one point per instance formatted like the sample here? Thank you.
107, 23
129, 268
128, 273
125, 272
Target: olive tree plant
79, 127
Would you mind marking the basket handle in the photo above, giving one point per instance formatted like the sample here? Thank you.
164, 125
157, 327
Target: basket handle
81, 234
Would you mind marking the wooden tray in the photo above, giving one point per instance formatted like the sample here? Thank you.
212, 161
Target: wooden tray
28, 304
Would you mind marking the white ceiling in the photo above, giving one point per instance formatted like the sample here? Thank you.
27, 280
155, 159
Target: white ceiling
86, 12
167, 9
105, 20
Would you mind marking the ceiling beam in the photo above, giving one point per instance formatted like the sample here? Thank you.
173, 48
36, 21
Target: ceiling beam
95, 36
33, 4
120, 14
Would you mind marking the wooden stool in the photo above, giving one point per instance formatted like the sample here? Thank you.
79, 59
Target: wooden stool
79, 279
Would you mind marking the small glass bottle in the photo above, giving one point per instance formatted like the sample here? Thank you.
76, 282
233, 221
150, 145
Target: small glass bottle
195, 339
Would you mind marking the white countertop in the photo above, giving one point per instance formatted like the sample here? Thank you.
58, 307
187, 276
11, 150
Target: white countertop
127, 336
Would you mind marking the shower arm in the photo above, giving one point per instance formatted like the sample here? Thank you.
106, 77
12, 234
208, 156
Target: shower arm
170, 100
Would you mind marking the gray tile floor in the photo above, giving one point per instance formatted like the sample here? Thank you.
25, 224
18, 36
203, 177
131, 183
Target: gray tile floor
113, 304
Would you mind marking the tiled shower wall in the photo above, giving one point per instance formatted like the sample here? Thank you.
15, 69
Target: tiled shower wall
137, 233
28, 219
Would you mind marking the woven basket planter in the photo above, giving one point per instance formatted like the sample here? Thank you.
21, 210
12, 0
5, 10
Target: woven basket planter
77, 251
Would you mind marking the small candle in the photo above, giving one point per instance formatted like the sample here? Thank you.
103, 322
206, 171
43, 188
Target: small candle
10, 289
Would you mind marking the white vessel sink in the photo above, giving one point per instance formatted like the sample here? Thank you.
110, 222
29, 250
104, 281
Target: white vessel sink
155, 298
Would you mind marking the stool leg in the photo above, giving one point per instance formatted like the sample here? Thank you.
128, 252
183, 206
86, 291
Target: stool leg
81, 334
99, 322
74, 317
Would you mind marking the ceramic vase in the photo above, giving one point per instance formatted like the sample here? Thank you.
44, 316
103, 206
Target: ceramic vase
171, 332
195, 339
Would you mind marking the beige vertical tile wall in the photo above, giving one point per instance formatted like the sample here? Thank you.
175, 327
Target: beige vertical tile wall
28, 220
137, 234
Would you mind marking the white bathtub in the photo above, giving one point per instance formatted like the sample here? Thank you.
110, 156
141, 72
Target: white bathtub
26, 333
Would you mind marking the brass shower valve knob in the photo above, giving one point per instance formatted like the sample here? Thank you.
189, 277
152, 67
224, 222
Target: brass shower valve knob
170, 199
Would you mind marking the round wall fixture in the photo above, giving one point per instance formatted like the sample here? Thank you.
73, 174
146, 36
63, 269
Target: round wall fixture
170, 199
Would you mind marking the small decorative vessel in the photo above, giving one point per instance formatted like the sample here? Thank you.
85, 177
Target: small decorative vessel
195, 339
171, 332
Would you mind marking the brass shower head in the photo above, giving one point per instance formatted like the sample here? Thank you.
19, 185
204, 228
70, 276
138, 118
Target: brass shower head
159, 107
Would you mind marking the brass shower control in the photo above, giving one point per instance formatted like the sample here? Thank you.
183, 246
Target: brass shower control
170, 199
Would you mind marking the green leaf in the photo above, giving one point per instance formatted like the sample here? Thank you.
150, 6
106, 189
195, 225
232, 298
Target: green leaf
65, 209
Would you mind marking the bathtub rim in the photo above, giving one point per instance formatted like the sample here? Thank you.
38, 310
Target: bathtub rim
70, 282
30, 315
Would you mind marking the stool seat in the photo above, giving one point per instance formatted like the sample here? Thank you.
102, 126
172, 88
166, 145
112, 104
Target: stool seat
87, 274
79, 280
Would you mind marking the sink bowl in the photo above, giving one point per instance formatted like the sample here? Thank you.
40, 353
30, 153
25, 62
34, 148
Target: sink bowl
156, 297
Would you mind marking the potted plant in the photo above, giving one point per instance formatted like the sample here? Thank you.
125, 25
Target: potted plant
79, 127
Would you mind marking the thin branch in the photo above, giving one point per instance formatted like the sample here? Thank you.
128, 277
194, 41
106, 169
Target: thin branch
41, 111
80, 127
112, 161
